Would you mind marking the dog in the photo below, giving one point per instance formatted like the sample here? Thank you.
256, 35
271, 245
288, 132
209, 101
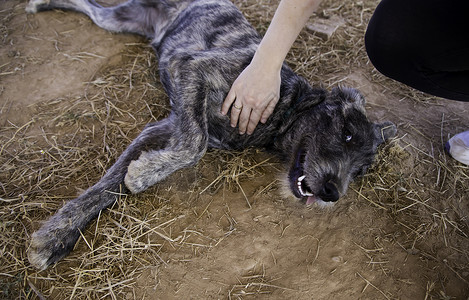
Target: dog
324, 138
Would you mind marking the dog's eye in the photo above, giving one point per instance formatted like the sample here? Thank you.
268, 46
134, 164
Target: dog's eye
348, 136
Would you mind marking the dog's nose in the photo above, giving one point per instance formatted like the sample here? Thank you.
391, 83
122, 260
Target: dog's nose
329, 192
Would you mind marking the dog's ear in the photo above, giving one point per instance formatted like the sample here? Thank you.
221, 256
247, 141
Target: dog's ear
384, 131
306, 98
349, 96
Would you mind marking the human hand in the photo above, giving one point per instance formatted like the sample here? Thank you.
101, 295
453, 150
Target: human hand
252, 97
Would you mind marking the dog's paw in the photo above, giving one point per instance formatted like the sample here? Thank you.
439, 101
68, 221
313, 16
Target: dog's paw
35, 5
138, 177
48, 247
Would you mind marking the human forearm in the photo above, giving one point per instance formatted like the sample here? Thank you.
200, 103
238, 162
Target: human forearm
289, 19
256, 91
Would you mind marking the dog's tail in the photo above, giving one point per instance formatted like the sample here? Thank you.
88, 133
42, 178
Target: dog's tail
149, 18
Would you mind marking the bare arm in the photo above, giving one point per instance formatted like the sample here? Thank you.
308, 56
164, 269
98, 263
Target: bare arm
256, 91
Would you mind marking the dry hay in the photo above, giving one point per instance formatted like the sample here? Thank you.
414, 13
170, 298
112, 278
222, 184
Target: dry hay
72, 141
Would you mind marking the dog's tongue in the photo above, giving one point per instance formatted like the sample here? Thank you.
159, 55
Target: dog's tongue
310, 200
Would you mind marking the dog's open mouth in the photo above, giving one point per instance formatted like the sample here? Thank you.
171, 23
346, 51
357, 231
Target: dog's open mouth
305, 191
297, 180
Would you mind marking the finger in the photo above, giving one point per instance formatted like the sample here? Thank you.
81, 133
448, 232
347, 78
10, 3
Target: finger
244, 119
230, 98
235, 112
253, 121
268, 111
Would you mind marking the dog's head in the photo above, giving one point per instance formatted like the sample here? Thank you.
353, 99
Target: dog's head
333, 142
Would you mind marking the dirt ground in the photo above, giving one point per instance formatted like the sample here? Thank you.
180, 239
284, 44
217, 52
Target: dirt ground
72, 96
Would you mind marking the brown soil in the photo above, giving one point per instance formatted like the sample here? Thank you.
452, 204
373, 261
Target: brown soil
72, 96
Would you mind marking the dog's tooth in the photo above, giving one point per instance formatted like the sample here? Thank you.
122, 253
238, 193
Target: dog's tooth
300, 180
299, 188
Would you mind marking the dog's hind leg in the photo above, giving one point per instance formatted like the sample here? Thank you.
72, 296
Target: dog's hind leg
58, 235
148, 18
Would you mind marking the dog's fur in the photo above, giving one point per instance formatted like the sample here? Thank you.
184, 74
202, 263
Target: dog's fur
202, 46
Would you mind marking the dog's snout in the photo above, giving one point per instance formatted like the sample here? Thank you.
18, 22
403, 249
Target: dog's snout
329, 192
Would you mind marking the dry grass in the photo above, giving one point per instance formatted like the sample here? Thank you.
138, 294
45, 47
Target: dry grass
254, 284
72, 141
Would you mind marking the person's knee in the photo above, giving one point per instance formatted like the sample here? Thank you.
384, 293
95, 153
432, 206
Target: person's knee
374, 51
388, 46
385, 57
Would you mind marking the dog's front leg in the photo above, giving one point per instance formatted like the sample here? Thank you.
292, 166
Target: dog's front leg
187, 90
185, 147
57, 236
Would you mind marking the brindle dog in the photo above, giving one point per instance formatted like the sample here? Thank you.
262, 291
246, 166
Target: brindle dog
324, 137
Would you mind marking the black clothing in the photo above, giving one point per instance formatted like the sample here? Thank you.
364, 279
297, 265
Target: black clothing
422, 43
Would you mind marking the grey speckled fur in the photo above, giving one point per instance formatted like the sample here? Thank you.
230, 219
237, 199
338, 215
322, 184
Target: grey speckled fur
202, 46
